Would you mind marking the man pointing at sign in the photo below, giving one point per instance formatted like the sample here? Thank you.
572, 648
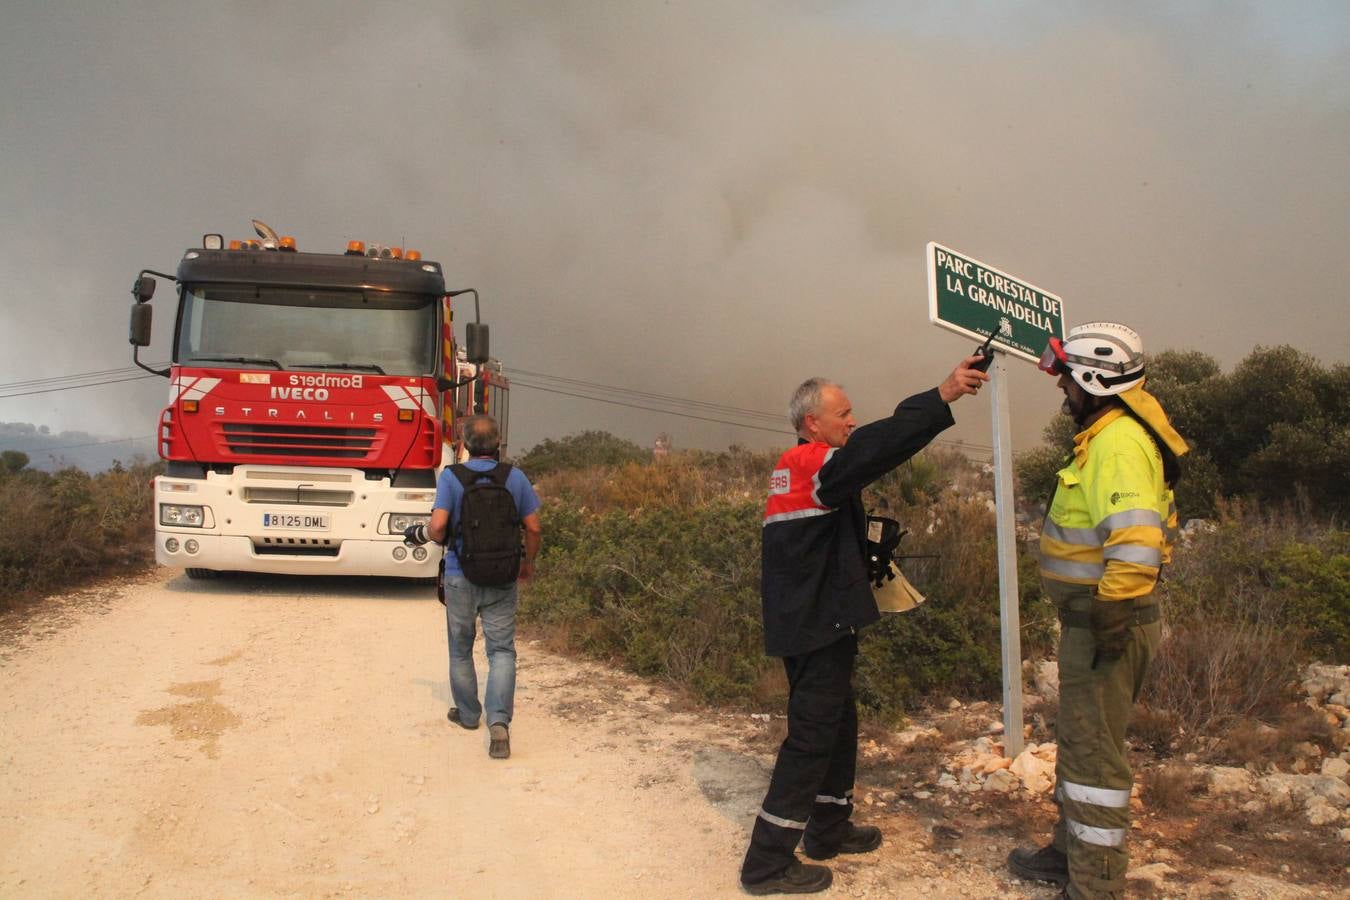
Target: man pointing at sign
816, 595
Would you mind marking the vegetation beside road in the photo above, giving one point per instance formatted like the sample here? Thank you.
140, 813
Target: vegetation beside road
654, 565
59, 529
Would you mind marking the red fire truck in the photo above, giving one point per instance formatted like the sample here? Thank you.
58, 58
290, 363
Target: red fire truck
313, 401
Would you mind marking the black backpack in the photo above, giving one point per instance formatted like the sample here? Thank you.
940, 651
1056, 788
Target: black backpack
489, 527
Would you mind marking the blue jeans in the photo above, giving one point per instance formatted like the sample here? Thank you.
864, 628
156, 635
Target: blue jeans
496, 606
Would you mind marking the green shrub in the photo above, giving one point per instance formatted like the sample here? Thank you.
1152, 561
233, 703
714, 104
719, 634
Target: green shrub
58, 529
1313, 579
657, 567
1279, 422
670, 592
580, 451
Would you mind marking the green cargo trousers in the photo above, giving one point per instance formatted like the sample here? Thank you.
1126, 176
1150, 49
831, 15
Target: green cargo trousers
1092, 773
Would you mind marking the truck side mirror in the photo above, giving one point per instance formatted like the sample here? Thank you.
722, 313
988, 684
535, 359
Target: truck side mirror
144, 289
444, 384
476, 337
141, 315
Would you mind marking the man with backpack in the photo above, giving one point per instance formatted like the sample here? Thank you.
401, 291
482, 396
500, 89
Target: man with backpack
480, 510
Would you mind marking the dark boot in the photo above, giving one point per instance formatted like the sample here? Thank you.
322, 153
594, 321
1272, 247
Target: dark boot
857, 839
797, 878
1044, 864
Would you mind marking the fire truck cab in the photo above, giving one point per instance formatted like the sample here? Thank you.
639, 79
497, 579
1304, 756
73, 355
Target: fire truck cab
313, 400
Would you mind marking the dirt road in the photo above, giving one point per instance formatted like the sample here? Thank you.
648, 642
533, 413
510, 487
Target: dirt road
264, 737
276, 736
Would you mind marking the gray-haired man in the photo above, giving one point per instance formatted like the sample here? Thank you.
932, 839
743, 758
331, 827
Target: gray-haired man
816, 595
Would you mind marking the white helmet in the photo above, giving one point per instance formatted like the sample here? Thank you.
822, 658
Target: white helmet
1104, 358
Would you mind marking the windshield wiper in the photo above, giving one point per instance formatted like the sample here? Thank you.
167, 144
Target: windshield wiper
243, 360
363, 367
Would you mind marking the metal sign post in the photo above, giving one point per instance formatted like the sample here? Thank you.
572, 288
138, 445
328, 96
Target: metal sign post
977, 300
1010, 624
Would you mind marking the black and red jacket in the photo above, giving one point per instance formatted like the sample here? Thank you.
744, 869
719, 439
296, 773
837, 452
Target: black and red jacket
815, 588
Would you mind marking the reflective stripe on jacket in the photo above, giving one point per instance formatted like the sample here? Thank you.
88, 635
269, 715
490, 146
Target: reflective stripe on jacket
1112, 520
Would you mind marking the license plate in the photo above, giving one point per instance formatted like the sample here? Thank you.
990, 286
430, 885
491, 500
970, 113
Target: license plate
297, 521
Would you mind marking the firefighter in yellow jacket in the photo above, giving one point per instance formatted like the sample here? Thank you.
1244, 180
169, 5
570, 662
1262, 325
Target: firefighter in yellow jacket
1106, 536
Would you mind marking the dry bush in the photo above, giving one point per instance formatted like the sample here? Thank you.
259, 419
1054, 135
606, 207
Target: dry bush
1300, 724
1246, 606
1154, 728
770, 688
1168, 788
683, 480
1211, 675
1248, 740
953, 728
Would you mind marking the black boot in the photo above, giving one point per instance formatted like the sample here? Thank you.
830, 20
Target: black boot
797, 878
857, 839
1044, 864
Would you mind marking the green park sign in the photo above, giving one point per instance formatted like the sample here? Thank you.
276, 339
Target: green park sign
974, 299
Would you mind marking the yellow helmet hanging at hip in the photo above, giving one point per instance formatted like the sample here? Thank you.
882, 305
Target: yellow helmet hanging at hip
1103, 358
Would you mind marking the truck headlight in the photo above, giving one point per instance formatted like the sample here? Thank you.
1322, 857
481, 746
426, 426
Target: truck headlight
399, 522
180, 515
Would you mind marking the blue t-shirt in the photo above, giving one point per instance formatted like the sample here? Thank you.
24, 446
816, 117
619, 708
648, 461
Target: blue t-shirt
449, 492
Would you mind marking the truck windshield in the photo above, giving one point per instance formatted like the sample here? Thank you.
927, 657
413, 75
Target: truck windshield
260, 327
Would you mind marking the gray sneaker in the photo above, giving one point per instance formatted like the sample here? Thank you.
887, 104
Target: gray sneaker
499, 745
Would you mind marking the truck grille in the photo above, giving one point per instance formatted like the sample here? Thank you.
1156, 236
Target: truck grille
303, 495
290, 440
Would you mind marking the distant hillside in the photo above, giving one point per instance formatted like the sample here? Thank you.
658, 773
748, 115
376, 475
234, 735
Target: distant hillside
50, 451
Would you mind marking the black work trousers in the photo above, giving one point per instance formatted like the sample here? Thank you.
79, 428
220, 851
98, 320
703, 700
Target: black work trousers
811, 791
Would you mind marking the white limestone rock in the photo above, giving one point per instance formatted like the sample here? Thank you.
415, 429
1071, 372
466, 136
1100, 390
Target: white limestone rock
1002, 781
1320, 812
1223, 780
1037, 774
1335, 767
1046, 680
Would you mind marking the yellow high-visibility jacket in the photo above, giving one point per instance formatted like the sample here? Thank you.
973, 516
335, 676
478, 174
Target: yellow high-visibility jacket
1113, 518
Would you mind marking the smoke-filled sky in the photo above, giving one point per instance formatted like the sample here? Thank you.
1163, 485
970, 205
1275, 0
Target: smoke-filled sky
708, 200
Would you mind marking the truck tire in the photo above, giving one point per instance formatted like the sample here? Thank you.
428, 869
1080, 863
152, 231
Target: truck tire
198, 574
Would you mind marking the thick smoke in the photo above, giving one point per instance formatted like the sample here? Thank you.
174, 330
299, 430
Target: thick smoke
708, 200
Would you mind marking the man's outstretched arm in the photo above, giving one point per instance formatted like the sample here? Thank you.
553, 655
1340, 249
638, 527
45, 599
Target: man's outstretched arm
877, 448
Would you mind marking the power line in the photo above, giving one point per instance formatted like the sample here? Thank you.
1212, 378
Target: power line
76, 387
42, 382
716, 407
656, 409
